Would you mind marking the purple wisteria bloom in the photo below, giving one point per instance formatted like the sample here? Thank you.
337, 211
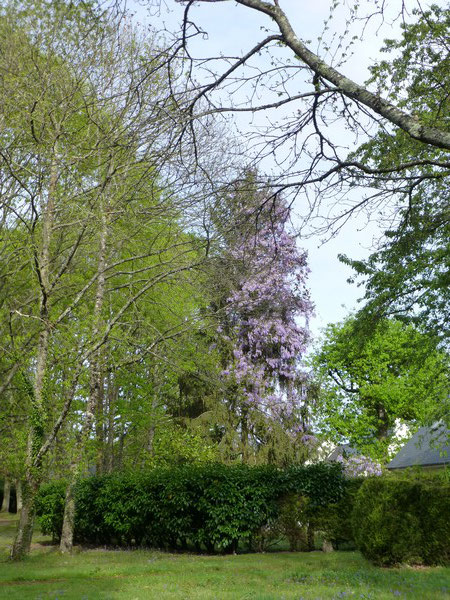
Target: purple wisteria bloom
360, 466
267, 312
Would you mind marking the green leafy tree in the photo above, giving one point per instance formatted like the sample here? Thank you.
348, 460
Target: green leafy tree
87, 232
370, 382
408, 275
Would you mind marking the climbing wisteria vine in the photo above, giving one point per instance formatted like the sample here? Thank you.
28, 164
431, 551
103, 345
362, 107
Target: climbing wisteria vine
267, 310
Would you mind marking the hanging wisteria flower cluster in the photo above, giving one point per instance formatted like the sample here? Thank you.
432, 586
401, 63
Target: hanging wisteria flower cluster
268, 309
360, 466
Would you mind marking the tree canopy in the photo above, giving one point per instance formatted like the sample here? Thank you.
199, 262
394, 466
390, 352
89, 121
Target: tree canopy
407, 276
374, 382
322, 89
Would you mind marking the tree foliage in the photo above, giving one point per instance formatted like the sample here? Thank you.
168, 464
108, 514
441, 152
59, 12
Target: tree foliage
262, 308
370, 383
92, 234
268, 293
407, 276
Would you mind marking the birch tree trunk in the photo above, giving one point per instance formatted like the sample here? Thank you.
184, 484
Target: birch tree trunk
112, 401
6, 495
95, 387
19, 495
33, 470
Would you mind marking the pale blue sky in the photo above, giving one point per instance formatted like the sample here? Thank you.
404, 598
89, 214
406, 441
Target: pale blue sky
232, 30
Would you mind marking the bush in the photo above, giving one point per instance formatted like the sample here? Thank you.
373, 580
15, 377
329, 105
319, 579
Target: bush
322, 483
398, 520
293, 521
234, 503
50, 508
90, 524
335, 520
322, 500
212, 506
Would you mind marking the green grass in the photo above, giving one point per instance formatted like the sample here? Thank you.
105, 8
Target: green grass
139, 575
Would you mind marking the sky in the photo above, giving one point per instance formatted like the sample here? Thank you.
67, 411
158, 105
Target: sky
232, 30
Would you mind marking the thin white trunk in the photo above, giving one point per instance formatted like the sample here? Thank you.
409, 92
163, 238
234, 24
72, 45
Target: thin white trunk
6, 495
95, 384
19, 495
38, 415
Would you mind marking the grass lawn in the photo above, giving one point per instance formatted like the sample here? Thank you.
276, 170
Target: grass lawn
138, 575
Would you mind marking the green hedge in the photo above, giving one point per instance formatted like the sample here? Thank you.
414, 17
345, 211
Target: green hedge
398, 520
212, 507
50, 508
335, 520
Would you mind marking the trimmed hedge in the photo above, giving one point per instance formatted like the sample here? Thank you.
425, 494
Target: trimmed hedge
335, 520
403, 521
212, 507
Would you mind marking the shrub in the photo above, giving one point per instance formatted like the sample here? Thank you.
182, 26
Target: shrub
322, 483
397, 520
234, 503
293, 521
435, 522
211, 506
335, 520
99, 518
50, 508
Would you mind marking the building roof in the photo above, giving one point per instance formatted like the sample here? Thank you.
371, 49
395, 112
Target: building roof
344, 450
429, 446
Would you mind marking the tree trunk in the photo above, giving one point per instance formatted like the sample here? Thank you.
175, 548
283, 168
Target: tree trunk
383, 423
96, 378
244, 436
66, 543
310, 537
34, 470
19, 495
119, 460
22, 541
6, 495
38, 402
150, 438
99, 391
112, 399
96, 384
